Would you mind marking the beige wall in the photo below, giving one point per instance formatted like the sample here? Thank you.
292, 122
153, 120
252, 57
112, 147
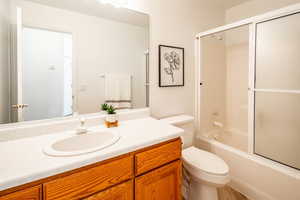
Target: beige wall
4, 61
255, 7
176, 22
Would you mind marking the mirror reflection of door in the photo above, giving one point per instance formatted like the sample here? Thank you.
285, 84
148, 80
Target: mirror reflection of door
15, 111
47, 74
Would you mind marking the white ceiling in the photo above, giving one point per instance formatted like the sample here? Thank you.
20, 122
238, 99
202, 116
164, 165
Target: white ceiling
94, 8
231, 3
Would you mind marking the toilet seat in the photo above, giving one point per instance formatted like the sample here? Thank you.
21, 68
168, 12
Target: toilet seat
205, 166
205, 161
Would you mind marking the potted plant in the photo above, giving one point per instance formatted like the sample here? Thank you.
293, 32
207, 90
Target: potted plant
111, 115
104, 107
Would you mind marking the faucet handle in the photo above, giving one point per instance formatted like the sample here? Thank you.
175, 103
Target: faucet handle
82, 121
81, 129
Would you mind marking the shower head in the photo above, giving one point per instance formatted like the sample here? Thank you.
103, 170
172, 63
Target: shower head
217, 36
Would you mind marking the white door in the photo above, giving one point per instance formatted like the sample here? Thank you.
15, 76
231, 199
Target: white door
47, 70
17, 104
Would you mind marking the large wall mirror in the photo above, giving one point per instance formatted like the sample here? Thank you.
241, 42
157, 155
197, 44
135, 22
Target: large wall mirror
64, 57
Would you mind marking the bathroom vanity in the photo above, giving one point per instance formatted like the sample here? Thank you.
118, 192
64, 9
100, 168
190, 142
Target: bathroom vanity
148, 168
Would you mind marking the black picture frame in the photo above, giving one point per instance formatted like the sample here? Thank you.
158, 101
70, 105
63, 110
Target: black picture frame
160, 66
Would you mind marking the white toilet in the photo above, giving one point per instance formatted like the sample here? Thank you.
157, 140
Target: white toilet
204, 172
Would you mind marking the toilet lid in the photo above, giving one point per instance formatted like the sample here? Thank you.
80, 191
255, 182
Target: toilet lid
205, 161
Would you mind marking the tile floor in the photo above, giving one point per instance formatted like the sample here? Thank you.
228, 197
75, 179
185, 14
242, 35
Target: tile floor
228, 193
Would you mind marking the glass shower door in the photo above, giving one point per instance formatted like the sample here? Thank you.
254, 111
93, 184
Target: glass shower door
277, 90
224, 86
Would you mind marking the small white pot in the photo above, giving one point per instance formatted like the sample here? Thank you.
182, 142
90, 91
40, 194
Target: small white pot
111, 118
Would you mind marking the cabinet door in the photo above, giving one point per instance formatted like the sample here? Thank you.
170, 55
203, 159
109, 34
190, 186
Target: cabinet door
123, 191
27, 194
163, 183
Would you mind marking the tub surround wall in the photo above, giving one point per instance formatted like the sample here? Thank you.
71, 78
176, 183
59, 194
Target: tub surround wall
237, 56
238, 140
224, 73
213, 91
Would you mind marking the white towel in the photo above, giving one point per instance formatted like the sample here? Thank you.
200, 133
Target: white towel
120, 105
118, 90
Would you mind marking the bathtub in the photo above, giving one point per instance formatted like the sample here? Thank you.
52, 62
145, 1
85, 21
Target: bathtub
233, 138
255, 177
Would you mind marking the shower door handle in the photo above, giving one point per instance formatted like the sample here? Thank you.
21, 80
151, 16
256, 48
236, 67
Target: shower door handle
19, 106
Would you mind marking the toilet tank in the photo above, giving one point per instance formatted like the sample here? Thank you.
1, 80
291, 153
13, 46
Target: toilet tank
186, 123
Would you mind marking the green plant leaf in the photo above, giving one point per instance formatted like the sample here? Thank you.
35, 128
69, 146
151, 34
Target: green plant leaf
111, 110
104, 106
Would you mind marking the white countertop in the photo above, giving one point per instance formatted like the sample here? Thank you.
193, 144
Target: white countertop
23, 161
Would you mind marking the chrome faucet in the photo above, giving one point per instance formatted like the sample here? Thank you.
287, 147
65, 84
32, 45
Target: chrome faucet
81, 129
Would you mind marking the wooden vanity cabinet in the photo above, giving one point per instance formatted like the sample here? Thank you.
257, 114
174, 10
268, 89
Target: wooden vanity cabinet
33, 193
147, 174
152, 158
87, 182
163, 183
123, 191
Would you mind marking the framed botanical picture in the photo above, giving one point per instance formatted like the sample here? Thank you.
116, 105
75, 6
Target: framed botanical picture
171, 66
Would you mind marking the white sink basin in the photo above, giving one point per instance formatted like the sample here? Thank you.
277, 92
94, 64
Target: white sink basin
82, 144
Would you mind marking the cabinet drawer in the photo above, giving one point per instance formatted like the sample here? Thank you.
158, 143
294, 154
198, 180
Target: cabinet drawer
34, 193
123, 191
82, 184
153, 158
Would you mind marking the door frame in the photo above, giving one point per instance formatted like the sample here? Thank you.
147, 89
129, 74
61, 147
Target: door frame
19, 64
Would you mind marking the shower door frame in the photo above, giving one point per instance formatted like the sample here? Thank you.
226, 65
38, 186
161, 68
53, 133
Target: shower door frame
252, 23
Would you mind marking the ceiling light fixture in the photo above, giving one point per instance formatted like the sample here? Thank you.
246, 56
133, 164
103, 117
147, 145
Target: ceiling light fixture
115, 3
